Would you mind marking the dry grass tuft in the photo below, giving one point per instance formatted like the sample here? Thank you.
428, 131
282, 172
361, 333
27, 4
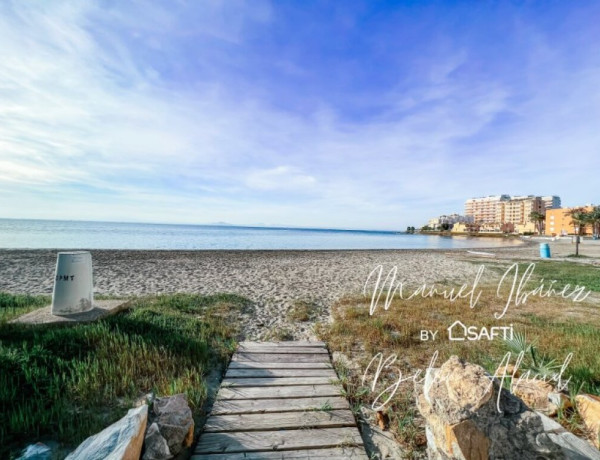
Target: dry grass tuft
303, 310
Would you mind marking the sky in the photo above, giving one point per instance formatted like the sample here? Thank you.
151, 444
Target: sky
362, 114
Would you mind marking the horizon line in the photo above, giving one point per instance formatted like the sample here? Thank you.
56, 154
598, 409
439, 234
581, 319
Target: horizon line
214, 224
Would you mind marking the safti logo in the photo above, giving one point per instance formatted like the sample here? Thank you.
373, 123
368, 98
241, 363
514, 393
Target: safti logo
458, 331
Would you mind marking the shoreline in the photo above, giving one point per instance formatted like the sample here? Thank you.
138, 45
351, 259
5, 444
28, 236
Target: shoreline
273, 281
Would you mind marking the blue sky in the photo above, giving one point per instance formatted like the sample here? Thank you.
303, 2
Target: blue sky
329, 114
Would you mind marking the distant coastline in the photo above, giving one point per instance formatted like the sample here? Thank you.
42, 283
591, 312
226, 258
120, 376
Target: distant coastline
46, 234
471, 234
210, 225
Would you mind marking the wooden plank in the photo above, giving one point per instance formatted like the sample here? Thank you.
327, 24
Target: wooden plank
286, 350
280, 358
273, 382
276, 365
279, 421
339, 453
287, 343
303, 391
267, 406
225, 443
281, 373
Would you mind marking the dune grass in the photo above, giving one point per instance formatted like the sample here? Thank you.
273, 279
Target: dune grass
555, 326
570, 273
65, 383
12, 305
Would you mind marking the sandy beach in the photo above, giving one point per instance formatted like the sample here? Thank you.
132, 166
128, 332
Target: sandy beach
271, 280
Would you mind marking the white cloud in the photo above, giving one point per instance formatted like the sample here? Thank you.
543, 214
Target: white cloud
280, 178
85, 106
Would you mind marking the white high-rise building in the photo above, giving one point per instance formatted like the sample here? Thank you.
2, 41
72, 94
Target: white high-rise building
551, 202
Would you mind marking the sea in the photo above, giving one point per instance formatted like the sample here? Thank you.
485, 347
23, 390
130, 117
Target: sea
57, 234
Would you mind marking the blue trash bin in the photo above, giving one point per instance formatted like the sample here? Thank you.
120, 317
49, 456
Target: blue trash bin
545, 251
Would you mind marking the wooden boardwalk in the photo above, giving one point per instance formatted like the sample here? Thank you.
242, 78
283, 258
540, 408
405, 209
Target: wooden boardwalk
280, 400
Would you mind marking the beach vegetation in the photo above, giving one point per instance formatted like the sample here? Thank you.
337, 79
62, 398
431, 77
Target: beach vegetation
278, 334
568, 273
65, 383
547, 329
303, 310
13, 305
563, 273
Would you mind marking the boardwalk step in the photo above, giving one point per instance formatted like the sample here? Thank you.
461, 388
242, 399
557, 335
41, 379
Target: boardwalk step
339, 453
280, 357
296, 391
281, 350
279, 373
265, 406
279, 365
270, 381
280, 400
284, 344
284, 420
241, 441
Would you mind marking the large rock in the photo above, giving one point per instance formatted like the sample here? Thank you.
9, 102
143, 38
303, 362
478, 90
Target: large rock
572, 447
174, 419
536, 395
155, 446
589, 409
466, 438
122, 440
376, 440
37, 451
469, 417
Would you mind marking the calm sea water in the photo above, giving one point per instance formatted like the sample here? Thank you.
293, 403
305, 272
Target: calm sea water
108, 235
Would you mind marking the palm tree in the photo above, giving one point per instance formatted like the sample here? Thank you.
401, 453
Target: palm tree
539, 220
579, 218
594, 219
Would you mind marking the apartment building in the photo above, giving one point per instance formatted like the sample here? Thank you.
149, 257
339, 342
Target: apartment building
558, 222
450, 219
516, 213
505, 211
486, 209
551, 202
454, 219
518, 209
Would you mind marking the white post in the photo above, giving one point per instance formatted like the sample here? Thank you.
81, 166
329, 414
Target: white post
73, 285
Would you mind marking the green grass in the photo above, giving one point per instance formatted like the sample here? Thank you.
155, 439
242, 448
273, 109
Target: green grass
12, 306
66, 383
569, 273
564, 273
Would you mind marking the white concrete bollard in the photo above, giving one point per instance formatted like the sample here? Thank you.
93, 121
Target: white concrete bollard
73, 284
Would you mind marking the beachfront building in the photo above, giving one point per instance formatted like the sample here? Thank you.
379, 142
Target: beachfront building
477, 228
559, 222
518, 209
486, 210
455, 219
508, 214
551, 201
451, 219
433, 223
